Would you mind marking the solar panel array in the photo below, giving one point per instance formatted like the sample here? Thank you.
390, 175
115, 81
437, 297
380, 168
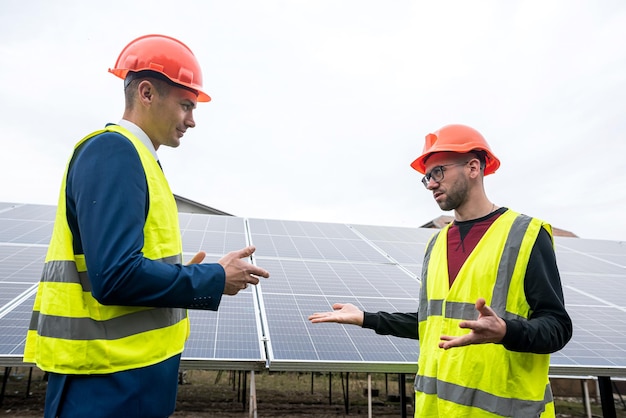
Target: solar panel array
231, 337
593, 273
312, 266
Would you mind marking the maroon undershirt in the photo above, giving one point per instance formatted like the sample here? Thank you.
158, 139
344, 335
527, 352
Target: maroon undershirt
463, 238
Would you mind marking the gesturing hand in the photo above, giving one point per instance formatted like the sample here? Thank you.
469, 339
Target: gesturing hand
343, 313
240, 273
488, 328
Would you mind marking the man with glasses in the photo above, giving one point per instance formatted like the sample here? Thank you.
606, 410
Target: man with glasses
491, 307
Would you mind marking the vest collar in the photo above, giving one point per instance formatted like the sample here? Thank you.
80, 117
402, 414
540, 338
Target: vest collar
140, 134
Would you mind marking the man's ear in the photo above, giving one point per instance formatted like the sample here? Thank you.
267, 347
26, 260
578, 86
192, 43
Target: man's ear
146, 91
474, 165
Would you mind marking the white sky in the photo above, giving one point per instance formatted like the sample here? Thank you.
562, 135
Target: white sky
320, 106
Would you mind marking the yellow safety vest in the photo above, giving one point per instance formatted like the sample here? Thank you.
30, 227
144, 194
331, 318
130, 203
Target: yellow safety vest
483, 380
71, 332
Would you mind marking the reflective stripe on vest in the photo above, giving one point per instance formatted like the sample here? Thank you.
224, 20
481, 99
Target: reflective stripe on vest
70, 331
66, 272
472, 397
111, 329
441, 312
84, 328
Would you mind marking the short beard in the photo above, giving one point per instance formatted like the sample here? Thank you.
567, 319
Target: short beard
456, 195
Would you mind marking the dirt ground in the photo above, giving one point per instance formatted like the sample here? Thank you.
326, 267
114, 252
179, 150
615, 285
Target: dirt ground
298, 395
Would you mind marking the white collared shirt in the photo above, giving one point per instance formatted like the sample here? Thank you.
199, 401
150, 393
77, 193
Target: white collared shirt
140, 134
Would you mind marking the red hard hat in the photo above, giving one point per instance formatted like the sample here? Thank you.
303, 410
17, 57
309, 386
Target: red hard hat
164, 55
456, 138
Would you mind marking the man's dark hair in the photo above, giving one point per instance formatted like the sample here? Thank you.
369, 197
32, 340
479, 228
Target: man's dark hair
482, 157
159, 81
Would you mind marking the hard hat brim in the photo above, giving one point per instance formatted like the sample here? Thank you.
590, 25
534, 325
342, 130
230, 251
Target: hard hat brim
202, 96
492, 163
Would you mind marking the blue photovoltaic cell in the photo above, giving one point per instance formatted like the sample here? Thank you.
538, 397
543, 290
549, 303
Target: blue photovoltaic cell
21, 263
404, 245
594, 290
223, 338
336, 279
25, 232
28, 212
215, 235
599, 340
308, 240
228, 336
20, 271
300, 229
298, 288
590, 246
295, 340
312, 266
319, 264
11, 292
13, 328
582, 264
416, 270
594, 287
377, 233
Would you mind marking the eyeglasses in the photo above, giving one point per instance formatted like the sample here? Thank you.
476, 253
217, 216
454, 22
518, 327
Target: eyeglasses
437, 173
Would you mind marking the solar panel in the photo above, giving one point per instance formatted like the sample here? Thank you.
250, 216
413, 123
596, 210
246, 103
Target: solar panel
593, 273
25, 231
404, 245
28, 212
13, 326
228, 339
217, 235
21, 263
308, 240
20, 269
313, 265
599, 343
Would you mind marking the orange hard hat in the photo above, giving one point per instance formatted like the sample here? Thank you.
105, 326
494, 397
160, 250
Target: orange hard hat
456, 138
164, 55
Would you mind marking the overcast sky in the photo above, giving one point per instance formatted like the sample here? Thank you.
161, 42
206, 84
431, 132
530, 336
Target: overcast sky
320, 106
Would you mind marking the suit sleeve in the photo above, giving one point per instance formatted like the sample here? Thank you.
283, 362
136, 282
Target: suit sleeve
107, 205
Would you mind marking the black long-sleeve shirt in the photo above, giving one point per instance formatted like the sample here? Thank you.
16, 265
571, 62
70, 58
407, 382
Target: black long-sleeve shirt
548, 328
